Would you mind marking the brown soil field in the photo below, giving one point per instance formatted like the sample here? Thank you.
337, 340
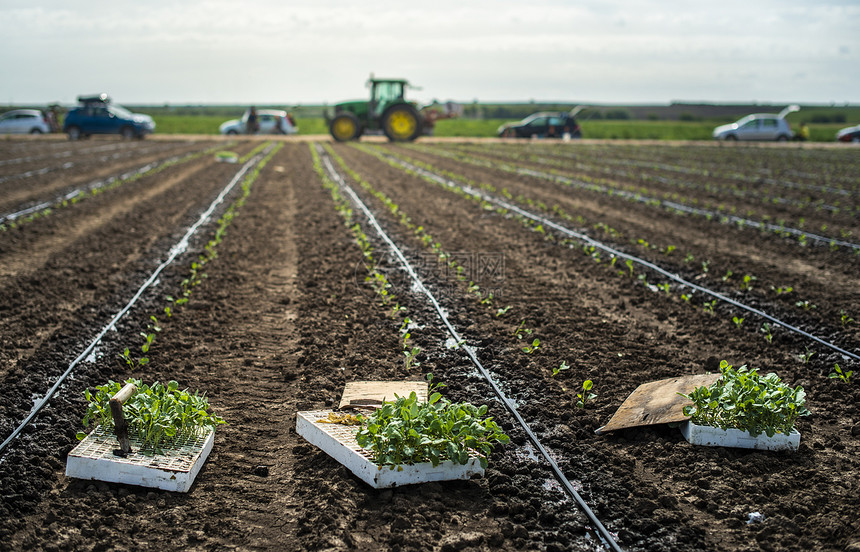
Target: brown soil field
284, 318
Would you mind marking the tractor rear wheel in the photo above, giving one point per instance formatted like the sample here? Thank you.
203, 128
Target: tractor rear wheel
344, 127
401, 123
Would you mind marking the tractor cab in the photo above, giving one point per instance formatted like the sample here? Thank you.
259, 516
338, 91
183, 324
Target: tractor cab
383, 93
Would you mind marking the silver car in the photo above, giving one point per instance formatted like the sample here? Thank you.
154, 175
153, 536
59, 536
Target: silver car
758, 126
269, 121
24, 121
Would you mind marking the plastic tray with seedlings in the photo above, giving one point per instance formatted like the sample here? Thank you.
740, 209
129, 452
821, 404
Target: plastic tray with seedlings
406, 440
152, 436
745, 409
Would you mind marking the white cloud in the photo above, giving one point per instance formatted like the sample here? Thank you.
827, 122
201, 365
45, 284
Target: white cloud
268, 51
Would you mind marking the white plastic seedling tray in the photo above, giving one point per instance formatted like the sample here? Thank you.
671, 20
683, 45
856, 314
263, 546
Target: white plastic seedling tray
338, 441
715, 437
174, 470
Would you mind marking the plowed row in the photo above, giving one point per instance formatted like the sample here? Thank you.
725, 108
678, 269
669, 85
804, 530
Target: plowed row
284, 319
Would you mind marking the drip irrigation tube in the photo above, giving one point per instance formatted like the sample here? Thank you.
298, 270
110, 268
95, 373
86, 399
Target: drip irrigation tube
175, 251
68, 165
62, 154
770, 181
675, 206
98, 184
78, 191
599, 245
604, 535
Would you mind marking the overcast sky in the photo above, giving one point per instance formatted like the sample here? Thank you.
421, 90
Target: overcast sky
283, 52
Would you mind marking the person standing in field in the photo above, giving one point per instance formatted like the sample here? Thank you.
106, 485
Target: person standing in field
54, 117
251, 126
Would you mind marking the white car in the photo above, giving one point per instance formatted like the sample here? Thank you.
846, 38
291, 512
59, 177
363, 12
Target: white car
269, 121
758, 126
24, 121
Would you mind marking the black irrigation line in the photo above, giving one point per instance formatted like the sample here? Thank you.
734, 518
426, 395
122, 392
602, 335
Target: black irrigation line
174, 252
98, 184
59, 155
672, 205
735, 176
612, 251
739, 194
69, 165
604, 535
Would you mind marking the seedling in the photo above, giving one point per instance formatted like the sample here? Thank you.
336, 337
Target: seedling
160, 415
529, 349
411, 354
396, 309
742, 399
665, 287
839, 374
564, 366
522, 330
845, 318
689, 258
738, 321
766, 330
705, 265
406, 431
780, 290
405, 325
807, 356
502, 311
727, 275
629, 263
708, 306
746, 284
805, 305
586, 394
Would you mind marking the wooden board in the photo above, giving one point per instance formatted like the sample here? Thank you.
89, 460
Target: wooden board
657, 402
370, 394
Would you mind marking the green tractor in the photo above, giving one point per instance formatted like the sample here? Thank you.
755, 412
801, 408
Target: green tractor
387, 111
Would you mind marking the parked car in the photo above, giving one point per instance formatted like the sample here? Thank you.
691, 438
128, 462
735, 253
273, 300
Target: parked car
24, 121
555, 124
758, 126
96, 115
269, 121
850, 134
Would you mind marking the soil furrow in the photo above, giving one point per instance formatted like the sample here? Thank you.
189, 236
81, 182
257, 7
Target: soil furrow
284, 319
825, 278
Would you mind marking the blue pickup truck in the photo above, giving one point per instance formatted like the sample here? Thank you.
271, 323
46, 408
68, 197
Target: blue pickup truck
96, 115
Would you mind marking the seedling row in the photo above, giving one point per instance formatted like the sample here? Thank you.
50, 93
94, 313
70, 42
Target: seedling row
292, 294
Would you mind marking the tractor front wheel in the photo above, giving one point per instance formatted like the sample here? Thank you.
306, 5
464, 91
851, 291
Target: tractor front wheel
344, 127
401, 123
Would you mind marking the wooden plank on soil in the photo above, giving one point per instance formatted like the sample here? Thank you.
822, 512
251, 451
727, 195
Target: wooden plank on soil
657, 402
371, 394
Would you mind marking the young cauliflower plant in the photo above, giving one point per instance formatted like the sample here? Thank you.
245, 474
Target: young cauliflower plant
744, 399
406, 431
158, 415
